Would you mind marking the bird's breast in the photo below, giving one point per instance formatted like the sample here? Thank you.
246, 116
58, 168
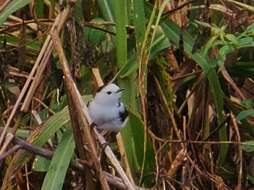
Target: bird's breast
101, 114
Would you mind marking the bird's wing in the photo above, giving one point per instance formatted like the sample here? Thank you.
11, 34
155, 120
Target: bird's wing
123, 114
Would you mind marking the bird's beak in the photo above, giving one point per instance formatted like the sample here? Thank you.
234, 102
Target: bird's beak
120, 90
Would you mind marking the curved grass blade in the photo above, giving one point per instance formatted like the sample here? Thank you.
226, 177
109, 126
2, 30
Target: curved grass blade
11, 8
55, 176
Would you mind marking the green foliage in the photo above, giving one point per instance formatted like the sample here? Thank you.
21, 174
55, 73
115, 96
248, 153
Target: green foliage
244, 114
248, 146
129, 41
41, 164
54, 178
11, 8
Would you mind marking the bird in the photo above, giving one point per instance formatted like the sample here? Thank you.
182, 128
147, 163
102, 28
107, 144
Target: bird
106, 109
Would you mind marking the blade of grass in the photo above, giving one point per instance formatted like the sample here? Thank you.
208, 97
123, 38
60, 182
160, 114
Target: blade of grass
130, 143
55, 176
106, 10
120, 8
139, 22
48, 130
11, 8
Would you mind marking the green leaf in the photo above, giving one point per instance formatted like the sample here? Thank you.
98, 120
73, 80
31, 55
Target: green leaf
251, 179
106, 10
139, 20
50, 127
160, 43
130, 68
78, 11
48, 130
248, 146
95, 36
226, 49
11, 8
133, 136
30, 45
54, 123
245, 42
54, 178
248, 103
232, 38
250, 28
41, 164
39, 8
120, 10
244, 114
172, 31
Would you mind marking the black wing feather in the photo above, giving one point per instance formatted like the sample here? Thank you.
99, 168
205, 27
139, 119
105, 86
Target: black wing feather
123, 115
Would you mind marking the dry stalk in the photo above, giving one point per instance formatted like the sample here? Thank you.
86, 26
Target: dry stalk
217, 180
22, 144
61, 17
122, 151
25, 22
117, 182
177, 162
109, 153
44, 57
238, 138
231, 82
4, 5
7, 141
97, 77
79, 106
172, 60
169, 113
113, 180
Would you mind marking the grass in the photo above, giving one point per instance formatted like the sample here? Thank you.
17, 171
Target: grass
188, 75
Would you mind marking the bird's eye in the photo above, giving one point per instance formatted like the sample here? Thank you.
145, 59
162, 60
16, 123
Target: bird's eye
109, 92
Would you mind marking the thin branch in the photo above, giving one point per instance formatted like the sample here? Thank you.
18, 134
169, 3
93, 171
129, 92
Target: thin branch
25, 22
240, 167
33, 148
192, 141
203, 142
113, 180
166, 14
4, 5
95, 26
231, 82
22, 144
9, 152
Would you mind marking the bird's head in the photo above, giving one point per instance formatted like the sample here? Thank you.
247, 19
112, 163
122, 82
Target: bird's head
109, 94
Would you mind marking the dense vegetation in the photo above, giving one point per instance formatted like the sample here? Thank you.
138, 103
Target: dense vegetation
187, 69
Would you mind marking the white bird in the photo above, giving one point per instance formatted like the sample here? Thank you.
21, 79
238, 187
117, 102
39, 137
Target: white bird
106, 109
